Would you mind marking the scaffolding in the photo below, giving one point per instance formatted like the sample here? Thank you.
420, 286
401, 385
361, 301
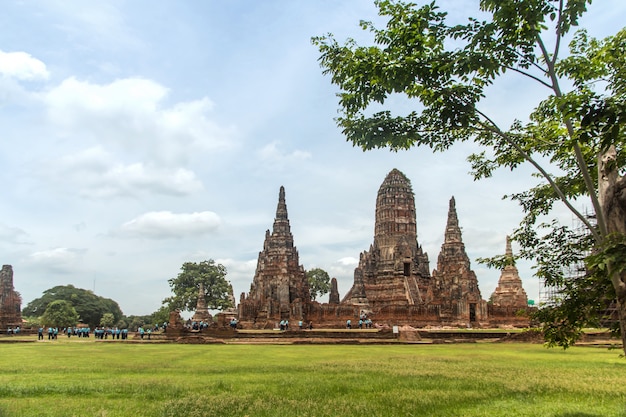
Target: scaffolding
550, 295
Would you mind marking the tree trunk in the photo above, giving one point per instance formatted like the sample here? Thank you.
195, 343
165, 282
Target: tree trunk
612, 196
621, 306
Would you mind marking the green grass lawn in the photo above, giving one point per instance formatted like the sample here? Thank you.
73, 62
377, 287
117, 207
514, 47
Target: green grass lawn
86, 378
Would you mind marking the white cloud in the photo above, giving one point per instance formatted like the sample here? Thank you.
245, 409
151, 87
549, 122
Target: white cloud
22, 66
100, 24
350, 232
135, 95
165, 225
348, 261
12, 235
96, 175
132, 114
58, 260
238, 267
272, 153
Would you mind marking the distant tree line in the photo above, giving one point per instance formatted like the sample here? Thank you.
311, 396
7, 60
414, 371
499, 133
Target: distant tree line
66, 305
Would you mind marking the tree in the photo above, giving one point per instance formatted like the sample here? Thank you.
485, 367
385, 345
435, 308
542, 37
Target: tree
319, 282
135, 322
89, 306
107, 320
573, 139
160, 316
186, 286
60, 313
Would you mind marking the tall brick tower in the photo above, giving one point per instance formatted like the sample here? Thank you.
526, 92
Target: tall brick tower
455, 286
280, 289
10, 300
394, 271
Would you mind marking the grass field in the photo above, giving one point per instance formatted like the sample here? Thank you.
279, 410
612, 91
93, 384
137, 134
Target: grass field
86, 378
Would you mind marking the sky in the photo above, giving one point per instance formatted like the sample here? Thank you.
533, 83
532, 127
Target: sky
137, 136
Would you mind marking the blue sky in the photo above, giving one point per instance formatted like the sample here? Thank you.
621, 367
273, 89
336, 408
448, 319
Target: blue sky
140, 135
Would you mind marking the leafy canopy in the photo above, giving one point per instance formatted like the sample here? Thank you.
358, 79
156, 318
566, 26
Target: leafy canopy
186, 286
89, 306
319, 282
447, 69
60, 313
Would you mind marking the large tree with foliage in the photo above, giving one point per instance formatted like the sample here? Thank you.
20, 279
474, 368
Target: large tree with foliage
574, 138
186, 286
319, 282
60, 313
89, 306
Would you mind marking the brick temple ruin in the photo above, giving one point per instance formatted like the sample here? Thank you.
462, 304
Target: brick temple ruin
280, 289
509, 292
10, 300
392, 284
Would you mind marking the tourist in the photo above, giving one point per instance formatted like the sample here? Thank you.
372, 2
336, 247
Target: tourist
286, 324
68, 330
56, 333
50, 332
40, 333
282, 325
141, 332
9, 331
300, 324
348, 324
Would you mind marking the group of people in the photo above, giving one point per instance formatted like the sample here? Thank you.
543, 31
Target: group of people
13, 331
115, 333
284, 325
98, 332
197, 325
363, 321
53, 332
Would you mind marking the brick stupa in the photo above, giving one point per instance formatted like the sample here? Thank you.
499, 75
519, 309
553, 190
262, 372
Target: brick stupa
509, 292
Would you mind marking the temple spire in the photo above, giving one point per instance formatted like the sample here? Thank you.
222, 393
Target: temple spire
509, 252
453, 231
281, 221
281, 210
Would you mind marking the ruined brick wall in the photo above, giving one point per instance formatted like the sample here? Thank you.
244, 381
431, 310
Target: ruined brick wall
10, 300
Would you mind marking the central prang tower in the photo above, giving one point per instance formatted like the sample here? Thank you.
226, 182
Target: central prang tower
394, 271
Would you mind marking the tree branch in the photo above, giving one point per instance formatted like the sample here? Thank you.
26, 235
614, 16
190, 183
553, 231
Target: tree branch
529, 75
493, 127
557, 44
580, 159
